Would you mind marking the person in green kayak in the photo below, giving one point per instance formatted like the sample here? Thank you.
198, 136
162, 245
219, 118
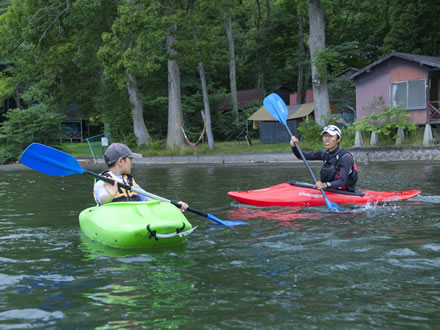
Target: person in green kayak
119, 159
339, 171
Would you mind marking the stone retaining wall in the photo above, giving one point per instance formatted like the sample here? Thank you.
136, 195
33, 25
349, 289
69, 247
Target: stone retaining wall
361, 155
364, 155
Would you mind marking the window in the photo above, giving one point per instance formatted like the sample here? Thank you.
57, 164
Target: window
411, 94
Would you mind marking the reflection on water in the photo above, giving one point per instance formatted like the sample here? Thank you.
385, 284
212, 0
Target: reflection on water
149, 280
375, 266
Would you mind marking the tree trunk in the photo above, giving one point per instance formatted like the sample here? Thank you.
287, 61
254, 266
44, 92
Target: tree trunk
232, 78
206, 105
262, 41
207, 118
175, 116
17, 99
301, 51
316, 43
102, 106
140, 131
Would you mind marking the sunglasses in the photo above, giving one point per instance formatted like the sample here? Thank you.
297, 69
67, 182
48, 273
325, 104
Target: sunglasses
332, 129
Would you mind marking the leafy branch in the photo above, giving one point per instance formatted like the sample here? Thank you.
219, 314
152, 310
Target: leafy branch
386, 121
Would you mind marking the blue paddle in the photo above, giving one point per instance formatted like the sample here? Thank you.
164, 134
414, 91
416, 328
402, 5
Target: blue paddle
278, 109
58, 163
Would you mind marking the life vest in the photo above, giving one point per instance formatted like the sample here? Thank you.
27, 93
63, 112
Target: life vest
122, 195
330, 171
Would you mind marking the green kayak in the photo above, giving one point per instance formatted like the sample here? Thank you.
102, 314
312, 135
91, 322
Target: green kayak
135, 224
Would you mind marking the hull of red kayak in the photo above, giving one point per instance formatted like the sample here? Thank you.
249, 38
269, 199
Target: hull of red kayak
285, 194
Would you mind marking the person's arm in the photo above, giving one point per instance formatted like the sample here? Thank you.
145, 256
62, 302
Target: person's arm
310, 155
105, 192
145, 198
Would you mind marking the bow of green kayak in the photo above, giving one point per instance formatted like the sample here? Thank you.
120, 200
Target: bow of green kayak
135, 224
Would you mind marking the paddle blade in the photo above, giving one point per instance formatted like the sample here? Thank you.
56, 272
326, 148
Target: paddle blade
276, 107
225, 223
50, 161
333, 206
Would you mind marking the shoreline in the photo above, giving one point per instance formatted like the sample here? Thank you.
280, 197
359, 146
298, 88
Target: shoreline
416, 155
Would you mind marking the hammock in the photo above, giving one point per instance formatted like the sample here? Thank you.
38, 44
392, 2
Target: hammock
194, 144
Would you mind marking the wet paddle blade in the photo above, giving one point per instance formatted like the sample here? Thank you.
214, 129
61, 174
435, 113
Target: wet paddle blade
276, 107
58, 163
333, 206
50, 161
225, 222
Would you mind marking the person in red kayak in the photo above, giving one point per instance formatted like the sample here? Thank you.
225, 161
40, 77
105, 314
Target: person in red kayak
339, 171
119, 159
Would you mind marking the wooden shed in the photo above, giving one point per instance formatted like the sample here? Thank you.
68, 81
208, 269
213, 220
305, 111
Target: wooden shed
75, 128
400, 78
272, 131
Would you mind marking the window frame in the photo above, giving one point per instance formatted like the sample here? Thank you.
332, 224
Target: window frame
407, 91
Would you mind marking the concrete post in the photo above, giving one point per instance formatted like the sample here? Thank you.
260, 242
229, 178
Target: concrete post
374, 140
427, 136
358, 142
400, 136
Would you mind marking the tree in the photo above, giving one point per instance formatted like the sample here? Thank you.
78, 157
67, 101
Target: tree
128, 53
51, 50
25, 126
413, 27
207, 110
232, 73
175, 117
316, 43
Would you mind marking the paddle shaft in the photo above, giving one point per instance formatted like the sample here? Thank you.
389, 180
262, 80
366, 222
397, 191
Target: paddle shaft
307, 164
278, 109
143, 192
55, 162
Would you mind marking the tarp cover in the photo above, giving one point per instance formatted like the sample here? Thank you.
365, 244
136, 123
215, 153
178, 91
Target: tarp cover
294, 111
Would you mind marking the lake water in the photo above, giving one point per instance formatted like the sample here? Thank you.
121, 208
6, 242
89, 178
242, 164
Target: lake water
375, 267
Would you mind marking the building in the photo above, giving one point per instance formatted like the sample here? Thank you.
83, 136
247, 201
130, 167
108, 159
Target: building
273, 131
400, 78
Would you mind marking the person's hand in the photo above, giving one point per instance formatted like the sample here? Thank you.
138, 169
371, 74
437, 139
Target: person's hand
112, 189
183, 206
293, 140
320, 185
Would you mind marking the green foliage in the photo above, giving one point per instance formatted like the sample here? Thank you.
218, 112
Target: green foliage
135, 43
413, 27
24, 126
226, 129
341, 94
331, 61
157, 145
310, 133
385, 121
348, 136
64, 52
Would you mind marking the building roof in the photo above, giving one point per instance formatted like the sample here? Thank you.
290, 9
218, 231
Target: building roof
73, 112
294, 112
432, 61
244, 98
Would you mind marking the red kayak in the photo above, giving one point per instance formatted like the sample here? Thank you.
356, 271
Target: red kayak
303, 194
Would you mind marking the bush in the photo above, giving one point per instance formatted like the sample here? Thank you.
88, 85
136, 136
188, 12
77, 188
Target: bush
310, 130
386, 121
24, 126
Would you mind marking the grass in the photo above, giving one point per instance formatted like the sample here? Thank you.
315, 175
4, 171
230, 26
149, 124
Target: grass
81, 149
158, 147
